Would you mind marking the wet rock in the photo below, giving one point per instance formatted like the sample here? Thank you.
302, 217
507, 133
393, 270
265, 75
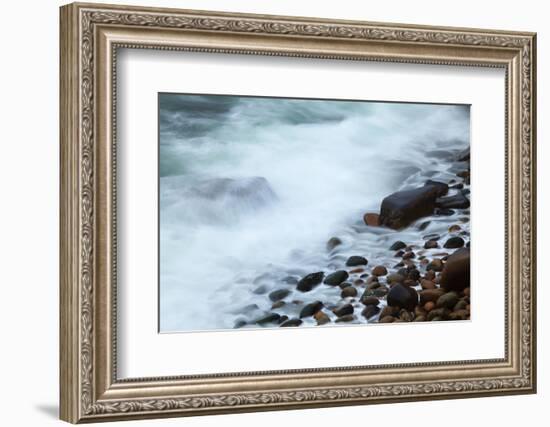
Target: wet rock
345, 318
358, 282
310, 281
279, 294
456, 274
336, 278
454, 242
406, 316
431, 244
464, 155
379, 270
444, 212
343, 310
403, 207
409, 255
290, 280
355, 260
291, 322
460, 305
370, 311
430, 275
432, 236
423, 225
429, 306
310, 309
370, 300
379, 292
430, 295
395, 278
333, 242
321, 318
247, 309
454, 228
387, 319
447, 300
458, 201
403, 297
278, 304
348, 292
459, 186
398, 245
357, 270
435, 265
441, 187
374, 285
464, 174
371, 219
399, 254
268, 318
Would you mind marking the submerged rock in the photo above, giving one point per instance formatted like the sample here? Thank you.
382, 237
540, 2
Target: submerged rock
343, 310
269, 318
291, 322
398, 245
310, 281
279, 294
333, 242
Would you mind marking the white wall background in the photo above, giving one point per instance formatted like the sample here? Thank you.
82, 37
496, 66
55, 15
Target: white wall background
29, 170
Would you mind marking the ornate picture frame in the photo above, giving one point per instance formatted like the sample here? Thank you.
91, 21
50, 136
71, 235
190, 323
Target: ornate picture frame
90, 37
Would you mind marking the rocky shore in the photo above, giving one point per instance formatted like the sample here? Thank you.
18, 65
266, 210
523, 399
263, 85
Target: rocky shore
420, 271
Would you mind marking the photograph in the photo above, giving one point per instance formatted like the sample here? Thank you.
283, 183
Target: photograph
294, 212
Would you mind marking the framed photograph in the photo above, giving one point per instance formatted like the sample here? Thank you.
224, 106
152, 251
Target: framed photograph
267, 212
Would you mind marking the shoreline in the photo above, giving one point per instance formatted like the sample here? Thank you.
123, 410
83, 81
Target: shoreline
424, 277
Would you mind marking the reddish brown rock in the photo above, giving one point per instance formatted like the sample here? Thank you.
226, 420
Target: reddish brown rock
372, 219
427, 284
379, 270
430, 295
387, 319
456, 274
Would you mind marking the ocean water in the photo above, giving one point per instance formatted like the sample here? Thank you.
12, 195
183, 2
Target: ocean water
252, 188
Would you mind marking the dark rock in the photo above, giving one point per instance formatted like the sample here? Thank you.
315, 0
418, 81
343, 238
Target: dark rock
454, 242
464, 174
379, 270
433, 236
447, 300
398, 245
268, 318
400, 209
369, 300
399, 254
333, 242
444, 212
370, 311
431, 244
403, 297
464, 155
282, 319
336, 278
406, 316
371, 219
427, 284
454, 228
456, 274
409, 255
291, 322
307, 283
439, 314
354, 261
423, 225
441, 187
279, 294
459, 186
346, 318
348, 292
387, 319
310, 309
343, 310
458, 201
